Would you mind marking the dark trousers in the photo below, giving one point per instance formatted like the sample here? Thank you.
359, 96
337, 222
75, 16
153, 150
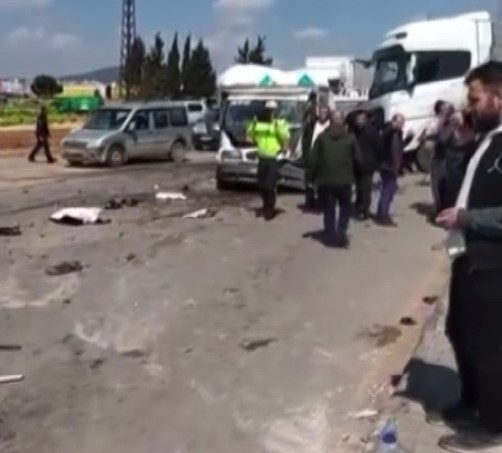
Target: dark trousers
387, 193
438, 175
268, 175
42, 143
364, 188
336, 202
473, 328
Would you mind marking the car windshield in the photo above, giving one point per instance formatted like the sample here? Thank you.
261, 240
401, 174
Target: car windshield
390, 71
108, 119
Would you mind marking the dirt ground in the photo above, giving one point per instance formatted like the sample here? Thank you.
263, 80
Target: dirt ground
15, 140
223, 334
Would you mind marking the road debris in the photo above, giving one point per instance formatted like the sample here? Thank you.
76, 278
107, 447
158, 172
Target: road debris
382, 335
407, 321
201, 214
253, 345
11, 378
430, 300
114, 204
10, 347
64, 268
131, 257
10, 231
77, 216
170, 196
364, 414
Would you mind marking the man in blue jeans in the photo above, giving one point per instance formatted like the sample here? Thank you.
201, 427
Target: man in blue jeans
333, 162
389, 165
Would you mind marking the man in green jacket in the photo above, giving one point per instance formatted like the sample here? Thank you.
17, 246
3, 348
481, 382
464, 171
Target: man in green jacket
333, 162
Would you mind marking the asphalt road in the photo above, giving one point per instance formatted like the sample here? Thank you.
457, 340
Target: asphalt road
223, 334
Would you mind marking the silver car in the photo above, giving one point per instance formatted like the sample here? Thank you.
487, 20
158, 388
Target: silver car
117, 134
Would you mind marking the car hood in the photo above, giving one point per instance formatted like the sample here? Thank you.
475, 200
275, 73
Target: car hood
87, 135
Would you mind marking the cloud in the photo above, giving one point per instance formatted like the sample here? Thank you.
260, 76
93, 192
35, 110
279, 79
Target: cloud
243, 5
24, 36
310, 33
24, 4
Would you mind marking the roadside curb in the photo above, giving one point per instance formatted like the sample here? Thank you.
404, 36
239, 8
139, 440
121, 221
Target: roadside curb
389, 406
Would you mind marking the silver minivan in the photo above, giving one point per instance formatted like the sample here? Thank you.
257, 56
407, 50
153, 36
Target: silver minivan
143, 130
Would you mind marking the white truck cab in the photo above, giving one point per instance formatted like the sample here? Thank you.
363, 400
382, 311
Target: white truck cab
424, 61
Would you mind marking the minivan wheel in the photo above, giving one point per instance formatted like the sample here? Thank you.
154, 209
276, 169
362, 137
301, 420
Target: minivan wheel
178, 152
116, 156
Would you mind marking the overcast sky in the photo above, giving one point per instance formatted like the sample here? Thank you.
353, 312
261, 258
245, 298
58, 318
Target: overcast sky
67, 36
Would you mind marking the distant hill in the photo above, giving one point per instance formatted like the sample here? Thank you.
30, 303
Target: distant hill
103, 75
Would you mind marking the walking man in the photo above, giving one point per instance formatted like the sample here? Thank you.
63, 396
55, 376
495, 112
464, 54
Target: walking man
390, 164
334, 159
42, 135
271, 136
370, 143
475, 246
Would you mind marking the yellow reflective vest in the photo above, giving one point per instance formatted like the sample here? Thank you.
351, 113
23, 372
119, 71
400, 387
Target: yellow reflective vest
269, 137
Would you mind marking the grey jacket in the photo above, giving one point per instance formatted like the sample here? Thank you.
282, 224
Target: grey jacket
485, 222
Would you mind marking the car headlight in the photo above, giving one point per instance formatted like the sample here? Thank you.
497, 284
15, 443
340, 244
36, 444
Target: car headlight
231, 154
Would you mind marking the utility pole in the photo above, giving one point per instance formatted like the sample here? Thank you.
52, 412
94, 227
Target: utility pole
127, 37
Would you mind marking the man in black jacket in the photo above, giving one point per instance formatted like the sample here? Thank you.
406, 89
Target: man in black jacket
333, 163
370, 143
474, 323
42, 134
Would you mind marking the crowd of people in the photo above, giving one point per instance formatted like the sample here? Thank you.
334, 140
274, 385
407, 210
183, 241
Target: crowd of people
466, 180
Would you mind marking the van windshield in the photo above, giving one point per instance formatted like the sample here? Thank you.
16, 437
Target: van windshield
239, 112
390, 73
107, 119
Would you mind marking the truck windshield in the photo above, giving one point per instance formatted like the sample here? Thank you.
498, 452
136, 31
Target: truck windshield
390, 71
107, 119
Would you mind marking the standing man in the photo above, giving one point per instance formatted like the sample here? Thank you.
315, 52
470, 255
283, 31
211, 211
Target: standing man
370, 143
390, 165
42, 135
475, 246
271, 136
333, 163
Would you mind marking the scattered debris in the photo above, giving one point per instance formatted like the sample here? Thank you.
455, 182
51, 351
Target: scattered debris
186, 188
11, 379
130, 257
407, 321
74, 344
96, 364
201, 214
119, 204
67, 302
77, 216
10, 347
10, 231
383, 335
135, 354
364, 414
430, 300
64, 268
170, 196
253, 345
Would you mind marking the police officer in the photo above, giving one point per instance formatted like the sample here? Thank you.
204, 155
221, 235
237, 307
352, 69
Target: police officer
271, 136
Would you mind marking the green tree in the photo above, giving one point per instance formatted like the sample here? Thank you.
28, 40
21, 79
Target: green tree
243, 53
186, 67
173, 72
133, 71
257, 54
45, 86
202, 73
154, 70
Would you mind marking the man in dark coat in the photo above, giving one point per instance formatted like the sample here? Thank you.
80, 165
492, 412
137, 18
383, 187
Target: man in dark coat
474, 323
333, 163
42, 134
370, 143
389, 165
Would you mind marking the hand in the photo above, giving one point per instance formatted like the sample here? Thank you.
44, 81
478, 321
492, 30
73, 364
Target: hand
449, 218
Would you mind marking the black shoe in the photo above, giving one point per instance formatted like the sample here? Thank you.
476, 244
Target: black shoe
474, 441
52, 161
458, 416
386, 222
269, 215
362, 217
31, 159
343, 242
